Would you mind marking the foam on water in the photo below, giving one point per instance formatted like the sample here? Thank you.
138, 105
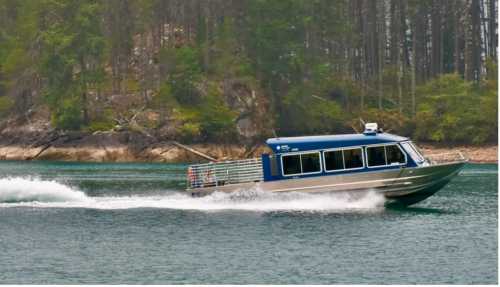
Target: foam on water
15, 192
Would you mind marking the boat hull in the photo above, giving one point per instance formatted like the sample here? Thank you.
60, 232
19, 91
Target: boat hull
402, 186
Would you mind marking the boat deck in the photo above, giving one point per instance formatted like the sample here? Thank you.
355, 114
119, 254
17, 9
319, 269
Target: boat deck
224, 173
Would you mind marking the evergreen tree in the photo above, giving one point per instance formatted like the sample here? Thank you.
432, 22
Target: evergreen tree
316, 66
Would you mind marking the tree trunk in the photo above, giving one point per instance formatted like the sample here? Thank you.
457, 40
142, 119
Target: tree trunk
85, 108
381, 53
473, 43
436, 26
457, 39
492, 29
413, 69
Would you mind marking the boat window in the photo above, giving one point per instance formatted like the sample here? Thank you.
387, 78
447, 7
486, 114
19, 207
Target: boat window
310, 162
353, 158
419, 152
412, 151
301, 163
394, 155
291, 164
343, 159
334, 160
376, 155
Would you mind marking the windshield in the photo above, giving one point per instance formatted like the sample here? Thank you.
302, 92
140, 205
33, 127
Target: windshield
413, 151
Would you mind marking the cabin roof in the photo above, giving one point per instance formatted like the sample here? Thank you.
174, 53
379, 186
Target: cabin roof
292, 144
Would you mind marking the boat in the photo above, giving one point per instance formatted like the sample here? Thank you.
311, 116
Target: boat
372, 161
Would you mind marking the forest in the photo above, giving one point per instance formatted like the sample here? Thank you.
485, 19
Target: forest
243, 70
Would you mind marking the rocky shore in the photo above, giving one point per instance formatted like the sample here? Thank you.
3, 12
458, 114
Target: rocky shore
132, 147
112, 147
161, 152
476, 154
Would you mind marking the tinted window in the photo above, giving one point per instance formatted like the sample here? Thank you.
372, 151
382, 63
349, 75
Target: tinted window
376, 155
353, 158
333, 160
394, 154
291, 164
310, 162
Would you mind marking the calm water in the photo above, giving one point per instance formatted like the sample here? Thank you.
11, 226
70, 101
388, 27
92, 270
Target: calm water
130, 223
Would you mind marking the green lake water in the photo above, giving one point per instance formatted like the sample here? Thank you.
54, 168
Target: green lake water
66, 223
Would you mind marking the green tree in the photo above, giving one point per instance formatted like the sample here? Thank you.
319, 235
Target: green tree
73, 47
19, 53
217, 121
453, 110
184, 71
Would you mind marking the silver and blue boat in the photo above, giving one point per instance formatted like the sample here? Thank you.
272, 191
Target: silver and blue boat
372, 161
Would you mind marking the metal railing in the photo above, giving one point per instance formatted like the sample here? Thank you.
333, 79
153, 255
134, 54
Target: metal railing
224, 173
445, 157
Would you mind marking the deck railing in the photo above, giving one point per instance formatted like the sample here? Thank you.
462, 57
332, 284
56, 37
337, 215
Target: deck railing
223, 173
445, 157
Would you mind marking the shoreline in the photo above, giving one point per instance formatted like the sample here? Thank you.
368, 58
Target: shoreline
475, 154
170, 153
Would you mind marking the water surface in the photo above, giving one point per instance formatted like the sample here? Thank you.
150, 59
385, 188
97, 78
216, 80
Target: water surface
64, 223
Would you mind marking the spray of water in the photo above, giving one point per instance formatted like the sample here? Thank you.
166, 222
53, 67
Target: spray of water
15, 192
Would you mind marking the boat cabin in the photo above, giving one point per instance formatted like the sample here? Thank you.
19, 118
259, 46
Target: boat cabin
309, 156
296, 157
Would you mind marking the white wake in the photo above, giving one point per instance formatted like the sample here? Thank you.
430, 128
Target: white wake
15, 192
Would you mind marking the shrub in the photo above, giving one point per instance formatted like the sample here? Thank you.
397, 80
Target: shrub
217, 121
211, 120
389, 120
184, 70
306, 114
189, 131
102, 125
453, 110
68, 115
164, 99
6, 104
